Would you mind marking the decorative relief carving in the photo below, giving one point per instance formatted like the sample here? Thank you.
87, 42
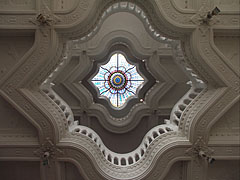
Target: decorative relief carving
148, 10
190, 112
51, 66
48, 152
228, 124
200, 128
20, 20
46, 19
227, 5
16, 79
15, 152
80, 11
56, 112
226, 151
88, 167
200, 151
193, 62
29, 63
229, 46
139, 169
12, 49
171, 11
201, 18
17, 4
84, 4
112, 123
220, 64
13, 81
16, 126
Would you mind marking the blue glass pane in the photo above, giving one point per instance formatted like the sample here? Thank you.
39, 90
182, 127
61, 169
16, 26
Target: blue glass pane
117, 80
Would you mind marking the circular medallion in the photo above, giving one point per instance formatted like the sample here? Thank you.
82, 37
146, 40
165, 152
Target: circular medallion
117, 80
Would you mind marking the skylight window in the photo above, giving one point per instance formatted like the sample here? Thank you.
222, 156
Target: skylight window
118, 80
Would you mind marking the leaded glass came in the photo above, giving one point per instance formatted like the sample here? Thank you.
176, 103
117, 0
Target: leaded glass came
118, 80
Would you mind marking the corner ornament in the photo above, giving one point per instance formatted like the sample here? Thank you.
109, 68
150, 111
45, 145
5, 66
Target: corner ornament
200, 151
45, 19
206, 17
48, 152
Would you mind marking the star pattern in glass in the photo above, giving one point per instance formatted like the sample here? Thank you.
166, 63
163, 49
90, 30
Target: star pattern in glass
117, 80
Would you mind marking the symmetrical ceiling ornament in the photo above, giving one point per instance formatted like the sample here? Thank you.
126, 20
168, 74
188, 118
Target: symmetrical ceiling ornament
129, 7
200, 151
48, 152
45, 19
118, 80
20, 86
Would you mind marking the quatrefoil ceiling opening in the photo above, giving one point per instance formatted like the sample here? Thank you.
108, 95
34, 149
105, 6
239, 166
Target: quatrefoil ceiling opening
92, 82
118, 80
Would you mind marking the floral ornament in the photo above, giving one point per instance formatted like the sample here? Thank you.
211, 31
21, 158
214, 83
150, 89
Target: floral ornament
200, 151
117, 80
48, 152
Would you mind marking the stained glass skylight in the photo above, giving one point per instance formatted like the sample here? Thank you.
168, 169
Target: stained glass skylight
118, 80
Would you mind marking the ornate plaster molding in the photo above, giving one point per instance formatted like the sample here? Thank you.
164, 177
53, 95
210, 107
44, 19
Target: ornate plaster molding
199, 150
132, 8
138, 170
200, 52
48, 152
129, 121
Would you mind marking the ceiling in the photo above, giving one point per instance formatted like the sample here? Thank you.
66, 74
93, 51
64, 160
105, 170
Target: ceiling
53, 125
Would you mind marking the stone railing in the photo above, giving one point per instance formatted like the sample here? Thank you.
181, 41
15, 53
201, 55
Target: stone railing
180, 106
64, 60
60, 102
131, 8
197, 85
127, 158
46, 86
